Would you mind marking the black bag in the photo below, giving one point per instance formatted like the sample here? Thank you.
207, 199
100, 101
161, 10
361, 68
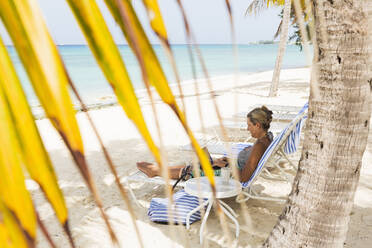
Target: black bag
187, 170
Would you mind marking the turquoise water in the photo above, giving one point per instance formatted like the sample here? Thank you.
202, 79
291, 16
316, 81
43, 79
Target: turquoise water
219, 59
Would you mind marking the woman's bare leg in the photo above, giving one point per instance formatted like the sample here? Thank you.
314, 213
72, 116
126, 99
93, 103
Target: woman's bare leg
153, 170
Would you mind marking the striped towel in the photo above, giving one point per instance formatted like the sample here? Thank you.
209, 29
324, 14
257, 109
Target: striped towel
183, 202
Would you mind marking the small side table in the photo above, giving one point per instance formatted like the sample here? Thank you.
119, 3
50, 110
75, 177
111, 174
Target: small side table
200, 187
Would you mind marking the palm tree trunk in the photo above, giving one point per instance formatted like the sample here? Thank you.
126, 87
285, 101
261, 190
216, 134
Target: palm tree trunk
281, 49
368, 10
319, 205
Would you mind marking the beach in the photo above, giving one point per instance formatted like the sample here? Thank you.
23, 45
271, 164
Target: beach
219, 60
233, 94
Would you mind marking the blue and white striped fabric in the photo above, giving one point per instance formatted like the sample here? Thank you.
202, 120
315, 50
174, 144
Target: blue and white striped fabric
294, 137
290, 145
184, 203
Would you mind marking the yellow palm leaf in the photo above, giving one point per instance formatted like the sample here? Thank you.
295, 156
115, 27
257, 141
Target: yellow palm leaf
5, 240
36, 158
109, 59
10, 232
35, 47
48, 76
155, 73
12, 183
4, 235
138, 40
156, 20
275, 2
11, 235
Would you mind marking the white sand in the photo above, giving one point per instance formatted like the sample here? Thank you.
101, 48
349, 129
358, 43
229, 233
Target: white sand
126, 147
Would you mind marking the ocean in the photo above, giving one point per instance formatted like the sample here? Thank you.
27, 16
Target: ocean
95, 90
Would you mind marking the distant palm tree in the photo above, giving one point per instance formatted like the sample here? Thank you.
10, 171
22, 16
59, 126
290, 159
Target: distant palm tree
288, 12
255, 7
281, 49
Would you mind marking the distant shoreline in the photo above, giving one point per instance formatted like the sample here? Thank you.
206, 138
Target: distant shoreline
184, 44
111, 100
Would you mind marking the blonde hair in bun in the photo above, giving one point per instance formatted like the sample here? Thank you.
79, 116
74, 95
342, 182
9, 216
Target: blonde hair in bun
261, 115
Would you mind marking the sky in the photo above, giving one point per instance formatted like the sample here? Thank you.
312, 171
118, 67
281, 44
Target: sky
208, 19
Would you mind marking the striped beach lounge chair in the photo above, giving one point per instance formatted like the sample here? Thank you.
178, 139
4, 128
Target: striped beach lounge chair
283, 144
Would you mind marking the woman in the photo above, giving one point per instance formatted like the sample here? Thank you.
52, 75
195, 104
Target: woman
258, 122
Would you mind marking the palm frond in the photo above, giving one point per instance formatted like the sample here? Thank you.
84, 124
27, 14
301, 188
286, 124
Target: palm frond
13, 191
154, 71
255, 7
158, 26
156, 19
11, 233
108, 57
47, 74
36, 158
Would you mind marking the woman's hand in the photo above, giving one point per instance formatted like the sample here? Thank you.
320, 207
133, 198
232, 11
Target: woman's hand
220, 162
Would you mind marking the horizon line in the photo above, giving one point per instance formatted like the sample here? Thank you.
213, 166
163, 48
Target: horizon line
125, 44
